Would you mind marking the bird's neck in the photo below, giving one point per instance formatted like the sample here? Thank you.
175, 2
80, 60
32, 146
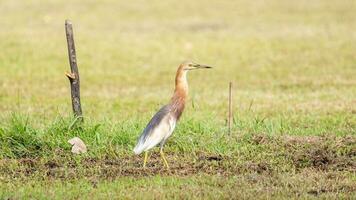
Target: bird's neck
180, 93
181, 89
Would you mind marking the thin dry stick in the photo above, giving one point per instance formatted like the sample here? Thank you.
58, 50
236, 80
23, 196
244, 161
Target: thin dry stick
230, 107
73, 76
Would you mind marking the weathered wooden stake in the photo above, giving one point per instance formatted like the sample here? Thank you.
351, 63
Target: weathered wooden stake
73, 76
230, 107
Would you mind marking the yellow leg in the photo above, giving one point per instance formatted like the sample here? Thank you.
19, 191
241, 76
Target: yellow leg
146, 158
164, 159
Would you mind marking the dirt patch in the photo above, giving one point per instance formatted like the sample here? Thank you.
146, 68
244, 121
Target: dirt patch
204, 157
30, 162
323, 153
272, 157
260, 139
179, 165
131, 166
51, 164
302, 139
343, 189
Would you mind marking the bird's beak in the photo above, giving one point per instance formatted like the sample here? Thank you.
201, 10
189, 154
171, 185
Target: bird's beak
199, 66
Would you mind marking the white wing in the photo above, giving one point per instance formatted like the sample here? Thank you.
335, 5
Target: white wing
159, 134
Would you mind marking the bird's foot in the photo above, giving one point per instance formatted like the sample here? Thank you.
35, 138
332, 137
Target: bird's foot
145, 159
164, 159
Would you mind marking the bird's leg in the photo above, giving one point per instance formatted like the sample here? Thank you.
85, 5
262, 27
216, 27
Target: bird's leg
146, 158
164, 158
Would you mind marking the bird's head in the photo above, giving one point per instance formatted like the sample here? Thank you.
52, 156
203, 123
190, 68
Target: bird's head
188, 65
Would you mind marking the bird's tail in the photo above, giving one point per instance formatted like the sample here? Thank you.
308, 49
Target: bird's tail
138, 148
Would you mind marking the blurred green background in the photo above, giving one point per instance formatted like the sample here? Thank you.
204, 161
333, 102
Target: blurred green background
282, 56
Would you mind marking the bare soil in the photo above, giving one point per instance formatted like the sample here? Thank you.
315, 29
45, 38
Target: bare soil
314, 153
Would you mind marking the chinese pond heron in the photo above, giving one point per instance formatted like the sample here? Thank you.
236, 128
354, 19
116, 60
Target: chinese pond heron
162, 124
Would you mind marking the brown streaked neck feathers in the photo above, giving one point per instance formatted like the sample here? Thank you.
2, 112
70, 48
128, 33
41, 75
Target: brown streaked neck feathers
180, 93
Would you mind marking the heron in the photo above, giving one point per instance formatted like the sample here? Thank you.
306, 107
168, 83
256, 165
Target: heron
162, 124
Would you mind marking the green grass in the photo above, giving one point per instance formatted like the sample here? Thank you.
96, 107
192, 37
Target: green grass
292, 65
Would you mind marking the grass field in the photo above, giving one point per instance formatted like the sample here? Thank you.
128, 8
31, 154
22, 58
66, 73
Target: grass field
292, 63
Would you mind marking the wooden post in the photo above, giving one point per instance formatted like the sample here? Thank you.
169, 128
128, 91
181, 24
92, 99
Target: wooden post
73, 76
230, 107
